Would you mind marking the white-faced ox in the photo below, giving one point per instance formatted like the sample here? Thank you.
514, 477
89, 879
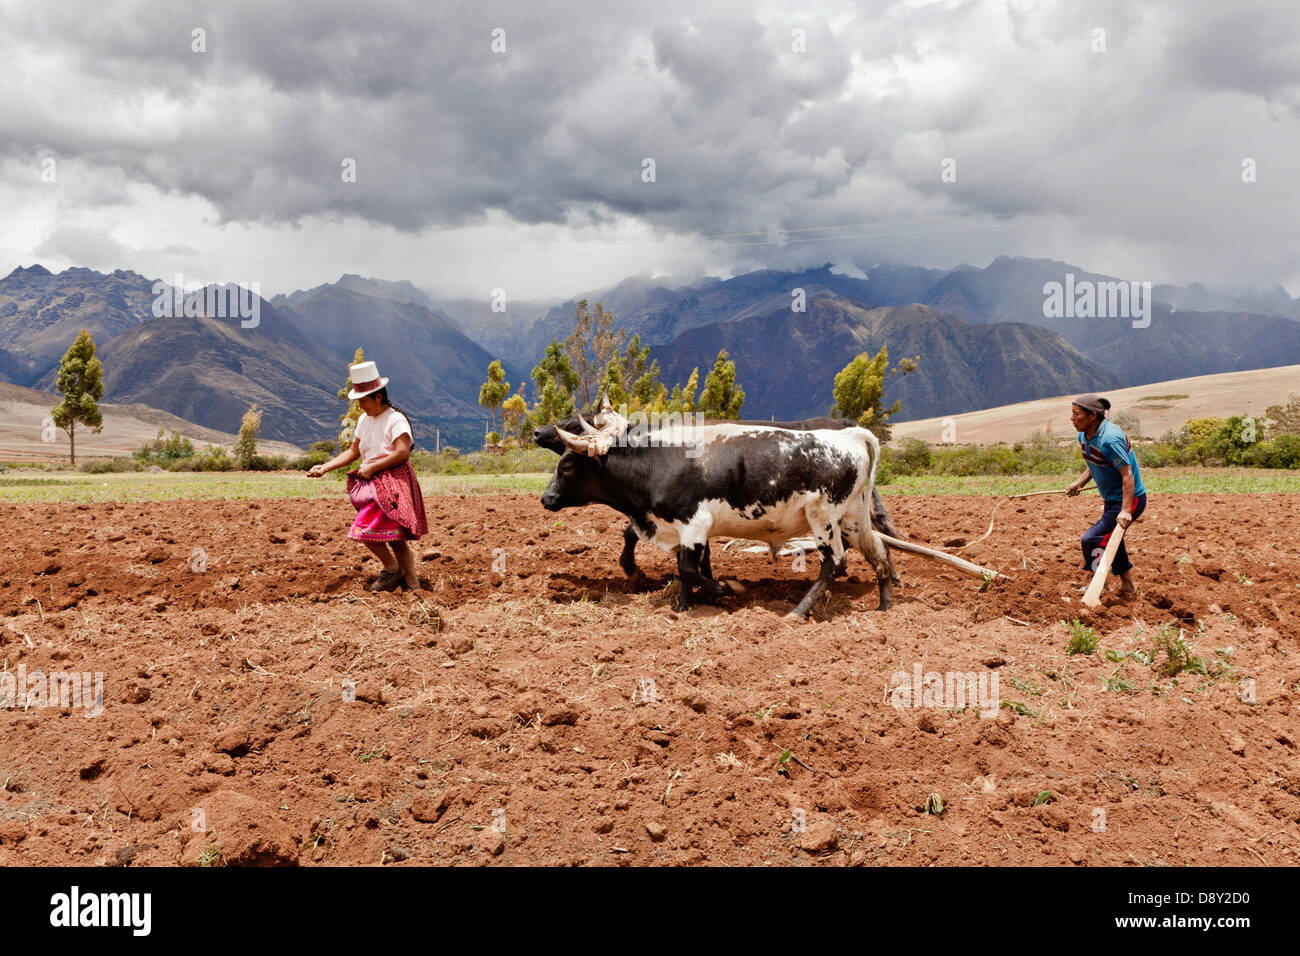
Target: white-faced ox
546, 436
745, 481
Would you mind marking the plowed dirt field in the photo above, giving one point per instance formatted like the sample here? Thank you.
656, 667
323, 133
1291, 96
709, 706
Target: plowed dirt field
530, 707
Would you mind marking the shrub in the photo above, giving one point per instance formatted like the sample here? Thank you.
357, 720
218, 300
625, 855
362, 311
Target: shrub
1230, 442
510, 461
1130, 423
212, 458
319, 453
1197, 431
163, 451
246, 442
913, 456
271, 463
104, 466
1281, 451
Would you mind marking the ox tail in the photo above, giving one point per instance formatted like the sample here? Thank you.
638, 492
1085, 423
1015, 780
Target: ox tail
872, 443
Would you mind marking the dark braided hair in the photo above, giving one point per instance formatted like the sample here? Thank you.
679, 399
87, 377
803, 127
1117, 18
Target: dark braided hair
383, 400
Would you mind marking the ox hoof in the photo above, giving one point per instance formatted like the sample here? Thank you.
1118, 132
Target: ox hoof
734, 586
796, 617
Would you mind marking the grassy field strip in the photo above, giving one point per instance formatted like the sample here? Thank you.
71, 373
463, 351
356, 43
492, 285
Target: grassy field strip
75, 487
1158, 481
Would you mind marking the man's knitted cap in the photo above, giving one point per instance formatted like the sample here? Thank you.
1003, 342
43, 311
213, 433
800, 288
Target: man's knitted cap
1093, 403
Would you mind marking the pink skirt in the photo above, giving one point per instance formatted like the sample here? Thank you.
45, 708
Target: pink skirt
372, 524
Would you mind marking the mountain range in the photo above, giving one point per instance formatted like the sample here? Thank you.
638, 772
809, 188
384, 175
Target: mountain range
983, 337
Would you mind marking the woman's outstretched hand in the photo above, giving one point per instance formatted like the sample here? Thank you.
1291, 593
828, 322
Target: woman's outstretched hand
316, 471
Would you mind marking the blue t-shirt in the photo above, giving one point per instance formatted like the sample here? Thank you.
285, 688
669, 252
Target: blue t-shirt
1105, 453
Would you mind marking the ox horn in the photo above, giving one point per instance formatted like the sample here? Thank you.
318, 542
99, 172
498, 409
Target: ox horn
572, 441
586, 429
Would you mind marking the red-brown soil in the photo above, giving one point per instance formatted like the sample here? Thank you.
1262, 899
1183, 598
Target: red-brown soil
507, 718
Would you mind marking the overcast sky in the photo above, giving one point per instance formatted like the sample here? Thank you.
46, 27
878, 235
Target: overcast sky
783, 134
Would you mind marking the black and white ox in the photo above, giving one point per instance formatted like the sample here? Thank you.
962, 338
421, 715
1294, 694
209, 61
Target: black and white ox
745, 481
546, 436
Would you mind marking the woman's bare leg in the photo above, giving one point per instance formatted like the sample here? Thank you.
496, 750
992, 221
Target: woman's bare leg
406, 560
380, 551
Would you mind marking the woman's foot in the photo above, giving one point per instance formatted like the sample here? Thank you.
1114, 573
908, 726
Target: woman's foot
387, 580
405, 557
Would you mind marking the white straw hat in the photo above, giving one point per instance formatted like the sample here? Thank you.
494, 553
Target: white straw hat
365, 379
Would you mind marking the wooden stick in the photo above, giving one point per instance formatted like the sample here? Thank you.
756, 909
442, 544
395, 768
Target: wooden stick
1030, 494
894, 543
1092, 597
931, 553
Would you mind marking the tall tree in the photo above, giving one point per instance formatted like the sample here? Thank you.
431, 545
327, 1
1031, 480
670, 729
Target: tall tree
350, 418
1285, 418
513, 413
722, 397
555, 382
494, 390
606, 343
591, 347
633, 377
645, 385
81, 382
576, 348
683, 397
860, 388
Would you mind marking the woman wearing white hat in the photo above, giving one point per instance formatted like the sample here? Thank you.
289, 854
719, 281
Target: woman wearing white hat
384, 490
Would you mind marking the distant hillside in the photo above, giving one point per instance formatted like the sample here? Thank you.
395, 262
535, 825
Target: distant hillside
1160, 406
1178, 343
209, 370
787, 362
126, 427
983, 340
501, 334
1241, 332
436, 370
660, 311
403, 291
41, 314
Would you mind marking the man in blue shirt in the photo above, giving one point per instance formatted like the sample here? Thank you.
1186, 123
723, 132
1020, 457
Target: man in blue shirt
1113, 465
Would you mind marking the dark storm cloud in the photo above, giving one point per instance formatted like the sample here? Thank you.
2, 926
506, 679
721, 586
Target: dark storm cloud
440, 126
747, 133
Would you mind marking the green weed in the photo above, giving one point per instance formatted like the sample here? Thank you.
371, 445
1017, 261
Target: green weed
1179, 654
210, 855
1082, 638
